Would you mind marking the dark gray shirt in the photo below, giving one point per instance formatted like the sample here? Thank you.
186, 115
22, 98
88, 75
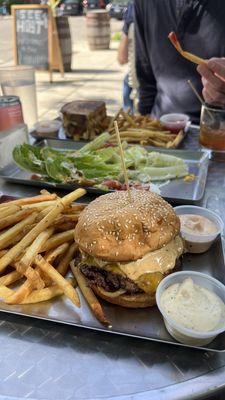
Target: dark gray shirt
162, 72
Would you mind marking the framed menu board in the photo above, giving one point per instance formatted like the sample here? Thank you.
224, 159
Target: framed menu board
36, 39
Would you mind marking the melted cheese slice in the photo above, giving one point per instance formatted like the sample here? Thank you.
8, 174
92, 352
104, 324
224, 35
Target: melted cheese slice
161, 260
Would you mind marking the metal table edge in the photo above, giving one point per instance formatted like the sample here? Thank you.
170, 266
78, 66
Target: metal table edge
204, 385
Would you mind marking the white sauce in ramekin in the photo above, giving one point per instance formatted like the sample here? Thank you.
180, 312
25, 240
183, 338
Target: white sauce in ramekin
193, 307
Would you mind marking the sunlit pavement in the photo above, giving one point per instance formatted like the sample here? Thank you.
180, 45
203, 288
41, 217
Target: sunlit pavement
95, 74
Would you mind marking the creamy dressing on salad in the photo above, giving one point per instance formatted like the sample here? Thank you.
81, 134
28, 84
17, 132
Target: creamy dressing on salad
193, 306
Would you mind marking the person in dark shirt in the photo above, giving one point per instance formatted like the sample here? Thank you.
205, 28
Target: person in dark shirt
123, 55
162, 72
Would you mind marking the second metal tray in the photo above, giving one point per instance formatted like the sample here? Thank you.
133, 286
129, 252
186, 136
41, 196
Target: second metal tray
176, 191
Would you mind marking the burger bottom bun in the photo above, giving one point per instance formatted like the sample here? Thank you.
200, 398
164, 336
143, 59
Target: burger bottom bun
141, 300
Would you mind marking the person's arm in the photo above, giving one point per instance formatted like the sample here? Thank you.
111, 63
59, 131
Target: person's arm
122, 55
146, 79
213, 80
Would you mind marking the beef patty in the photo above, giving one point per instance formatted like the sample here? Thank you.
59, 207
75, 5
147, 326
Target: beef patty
108, 280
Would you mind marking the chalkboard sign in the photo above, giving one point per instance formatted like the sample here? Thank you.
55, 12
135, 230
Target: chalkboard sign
31, 33
36, 40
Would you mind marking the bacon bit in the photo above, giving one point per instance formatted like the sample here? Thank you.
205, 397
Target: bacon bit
36, 177
108, 145
114, 184
189, 178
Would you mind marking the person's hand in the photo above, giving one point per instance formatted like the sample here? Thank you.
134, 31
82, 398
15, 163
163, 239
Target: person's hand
213, 80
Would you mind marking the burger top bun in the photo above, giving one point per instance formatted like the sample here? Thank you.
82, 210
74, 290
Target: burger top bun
113, 229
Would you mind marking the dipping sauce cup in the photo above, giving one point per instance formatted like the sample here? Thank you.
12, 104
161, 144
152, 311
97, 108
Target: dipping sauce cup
178, 331
48, 128
194, 241
175, 122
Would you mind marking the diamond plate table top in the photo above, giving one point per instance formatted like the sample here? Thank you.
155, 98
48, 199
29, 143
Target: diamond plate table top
47, 361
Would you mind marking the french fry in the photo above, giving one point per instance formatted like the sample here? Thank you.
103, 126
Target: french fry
165, 135
169, 145
36, 296
114, 118
58, 239
45, 294
74, 208
10, 278
69, 198
17, 296
10, 210
129, 119
65, 261
36, 247
157, 143
30, 200
71, 217
45, 192
11, 234
191, 57
23, 266
89, 295
41, 226
41, 205
20, 236
67, 288
178, 139
53, 254
43, 213
5, 292
66, 226
14, 218
62, 219
143, 130
25, 289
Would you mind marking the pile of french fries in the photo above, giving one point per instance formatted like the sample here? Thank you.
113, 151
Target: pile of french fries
37, 248
144, 130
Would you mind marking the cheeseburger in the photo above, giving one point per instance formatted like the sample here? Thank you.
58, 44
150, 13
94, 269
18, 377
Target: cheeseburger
126, 248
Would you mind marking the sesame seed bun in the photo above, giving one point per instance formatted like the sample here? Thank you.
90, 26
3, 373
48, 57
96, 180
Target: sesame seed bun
113, 229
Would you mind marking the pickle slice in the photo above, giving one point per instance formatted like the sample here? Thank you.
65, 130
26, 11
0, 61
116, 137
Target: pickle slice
148, 282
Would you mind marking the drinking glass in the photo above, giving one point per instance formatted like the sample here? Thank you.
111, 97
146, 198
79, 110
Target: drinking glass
20, 81
212, 130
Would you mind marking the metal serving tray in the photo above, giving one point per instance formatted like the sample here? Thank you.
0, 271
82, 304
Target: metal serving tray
139, 323
177, 190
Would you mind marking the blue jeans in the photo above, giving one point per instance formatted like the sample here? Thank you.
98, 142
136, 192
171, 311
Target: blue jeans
127, 102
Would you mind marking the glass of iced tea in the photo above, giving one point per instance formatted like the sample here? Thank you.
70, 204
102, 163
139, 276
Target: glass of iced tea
212, 129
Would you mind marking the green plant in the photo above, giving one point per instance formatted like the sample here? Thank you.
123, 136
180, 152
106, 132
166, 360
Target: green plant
116, 36
53, 4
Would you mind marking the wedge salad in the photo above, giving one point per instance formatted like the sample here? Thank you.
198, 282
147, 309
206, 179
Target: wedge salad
98, 164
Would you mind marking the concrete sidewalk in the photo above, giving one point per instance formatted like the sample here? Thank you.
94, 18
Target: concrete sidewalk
95, 75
